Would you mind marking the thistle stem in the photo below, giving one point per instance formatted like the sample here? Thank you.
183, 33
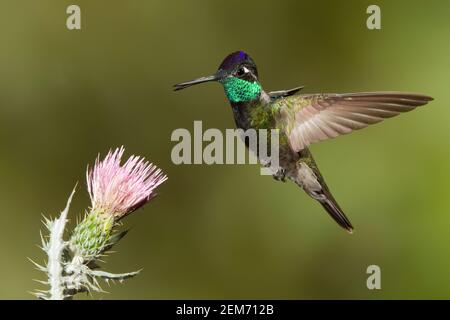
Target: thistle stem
54, 249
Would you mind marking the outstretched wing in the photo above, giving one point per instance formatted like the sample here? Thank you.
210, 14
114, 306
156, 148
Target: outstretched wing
316, 117
284, 93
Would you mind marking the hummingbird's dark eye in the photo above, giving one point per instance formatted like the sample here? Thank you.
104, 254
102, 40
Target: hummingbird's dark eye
242, 71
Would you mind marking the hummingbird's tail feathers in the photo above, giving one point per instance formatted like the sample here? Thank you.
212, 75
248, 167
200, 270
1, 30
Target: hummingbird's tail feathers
333, 209
308, 177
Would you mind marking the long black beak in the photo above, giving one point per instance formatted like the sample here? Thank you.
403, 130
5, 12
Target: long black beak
187, 84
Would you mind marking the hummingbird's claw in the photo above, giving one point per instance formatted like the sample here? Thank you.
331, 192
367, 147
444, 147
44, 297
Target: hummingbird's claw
280, 175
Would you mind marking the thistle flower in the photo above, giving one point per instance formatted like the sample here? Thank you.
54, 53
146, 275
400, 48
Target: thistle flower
115, 190
119, 190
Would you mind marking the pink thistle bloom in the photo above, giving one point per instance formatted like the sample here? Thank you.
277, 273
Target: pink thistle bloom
119, 190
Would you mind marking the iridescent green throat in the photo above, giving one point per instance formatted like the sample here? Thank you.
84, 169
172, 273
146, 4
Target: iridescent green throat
238, 90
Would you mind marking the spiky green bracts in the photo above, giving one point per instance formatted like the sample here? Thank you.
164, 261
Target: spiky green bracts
91, 237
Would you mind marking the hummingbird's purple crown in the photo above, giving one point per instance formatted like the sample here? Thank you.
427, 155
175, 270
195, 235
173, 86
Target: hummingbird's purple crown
233, 59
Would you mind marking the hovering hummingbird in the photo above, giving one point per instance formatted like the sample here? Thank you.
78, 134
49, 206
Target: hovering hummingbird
303, 119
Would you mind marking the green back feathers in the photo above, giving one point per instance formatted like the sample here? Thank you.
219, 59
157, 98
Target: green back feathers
239, 90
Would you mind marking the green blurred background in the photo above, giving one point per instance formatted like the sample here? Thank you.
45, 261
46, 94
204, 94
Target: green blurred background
225, 231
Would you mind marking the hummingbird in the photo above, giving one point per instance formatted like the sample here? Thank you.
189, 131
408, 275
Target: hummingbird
303, 119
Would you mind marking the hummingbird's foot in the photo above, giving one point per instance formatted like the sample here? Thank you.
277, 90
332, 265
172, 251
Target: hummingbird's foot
280, 175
